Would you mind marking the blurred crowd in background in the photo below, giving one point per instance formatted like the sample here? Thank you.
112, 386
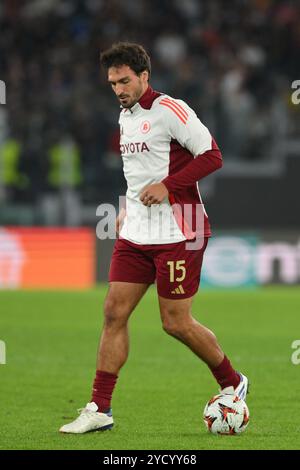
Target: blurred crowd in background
232, 61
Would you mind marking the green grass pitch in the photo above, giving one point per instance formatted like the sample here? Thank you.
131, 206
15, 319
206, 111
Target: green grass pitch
51, 341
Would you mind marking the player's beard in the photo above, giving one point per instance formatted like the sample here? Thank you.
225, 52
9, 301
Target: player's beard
131, 101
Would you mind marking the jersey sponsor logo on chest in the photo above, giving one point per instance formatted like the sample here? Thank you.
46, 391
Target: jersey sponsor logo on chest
134, 147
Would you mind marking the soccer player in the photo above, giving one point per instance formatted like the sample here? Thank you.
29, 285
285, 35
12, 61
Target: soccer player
166, 150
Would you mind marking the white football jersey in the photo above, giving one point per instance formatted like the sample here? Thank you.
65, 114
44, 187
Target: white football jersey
159, 135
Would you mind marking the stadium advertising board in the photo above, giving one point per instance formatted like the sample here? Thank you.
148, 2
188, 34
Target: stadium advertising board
66, 258
238, 260
47, 258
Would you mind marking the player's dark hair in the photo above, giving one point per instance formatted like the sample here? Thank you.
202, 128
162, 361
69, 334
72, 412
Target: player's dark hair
126, 53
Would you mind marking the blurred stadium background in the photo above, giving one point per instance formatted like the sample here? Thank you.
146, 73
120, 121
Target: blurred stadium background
234, 63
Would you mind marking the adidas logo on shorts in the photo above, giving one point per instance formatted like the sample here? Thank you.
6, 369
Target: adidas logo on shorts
178, 290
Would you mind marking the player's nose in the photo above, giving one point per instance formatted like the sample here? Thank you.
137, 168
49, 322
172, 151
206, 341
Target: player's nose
119, 90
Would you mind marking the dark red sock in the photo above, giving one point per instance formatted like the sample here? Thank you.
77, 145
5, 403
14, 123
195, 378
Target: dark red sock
103, 387
225, 375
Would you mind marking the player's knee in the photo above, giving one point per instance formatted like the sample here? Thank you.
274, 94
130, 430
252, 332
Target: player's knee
115, 312
175, 327
170, 327
174, 319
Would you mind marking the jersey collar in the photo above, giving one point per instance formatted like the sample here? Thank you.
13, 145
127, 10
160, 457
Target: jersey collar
148, 97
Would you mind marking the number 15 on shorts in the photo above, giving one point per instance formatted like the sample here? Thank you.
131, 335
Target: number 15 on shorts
179, 268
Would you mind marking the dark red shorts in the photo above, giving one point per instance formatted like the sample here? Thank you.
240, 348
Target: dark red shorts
175, 269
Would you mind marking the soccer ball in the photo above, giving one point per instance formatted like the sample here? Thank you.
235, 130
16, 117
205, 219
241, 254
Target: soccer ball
226, 414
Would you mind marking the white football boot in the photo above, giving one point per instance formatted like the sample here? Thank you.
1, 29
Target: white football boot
89, 420
241, 390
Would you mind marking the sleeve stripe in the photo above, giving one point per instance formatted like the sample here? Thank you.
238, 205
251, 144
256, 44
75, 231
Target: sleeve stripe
170, 106
177, 106
174, 111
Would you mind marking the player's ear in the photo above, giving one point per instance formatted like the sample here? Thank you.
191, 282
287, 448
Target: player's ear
145, 76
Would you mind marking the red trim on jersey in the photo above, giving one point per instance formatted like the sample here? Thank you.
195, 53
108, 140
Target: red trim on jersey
180, 158
168, 105
201, 166
148, 97
173, 108
178, 106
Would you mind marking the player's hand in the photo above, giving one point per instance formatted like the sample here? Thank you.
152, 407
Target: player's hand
153, 194
120, 220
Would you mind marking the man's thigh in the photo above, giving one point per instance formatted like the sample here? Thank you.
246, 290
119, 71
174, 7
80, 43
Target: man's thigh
131, 263
178, 270
123, 297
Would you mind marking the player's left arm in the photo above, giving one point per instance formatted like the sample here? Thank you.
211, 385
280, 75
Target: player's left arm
195, 137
